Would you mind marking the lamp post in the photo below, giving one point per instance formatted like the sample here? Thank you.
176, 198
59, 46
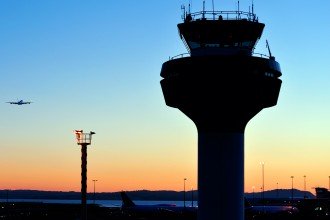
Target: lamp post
184, 192
292, 190
7, 195
253, 187
263, 182
329, 182
192, 197
305, 187
94, 190
83, 139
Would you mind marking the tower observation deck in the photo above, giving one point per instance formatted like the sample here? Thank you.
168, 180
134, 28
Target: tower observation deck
220, 85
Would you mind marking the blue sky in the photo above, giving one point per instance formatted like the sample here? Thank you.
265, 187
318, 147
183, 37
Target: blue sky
95, 65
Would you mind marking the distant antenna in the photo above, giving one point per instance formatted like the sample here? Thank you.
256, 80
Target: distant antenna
267, 45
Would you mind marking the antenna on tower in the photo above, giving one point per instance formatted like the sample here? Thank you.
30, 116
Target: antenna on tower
203, 9
190, 6
213, 9
270, 53
183, 8
252, 7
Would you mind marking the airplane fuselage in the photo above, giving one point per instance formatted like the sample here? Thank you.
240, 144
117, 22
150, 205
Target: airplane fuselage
21, 102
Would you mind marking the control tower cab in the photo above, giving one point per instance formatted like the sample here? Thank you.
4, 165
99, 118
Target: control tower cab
204, 37
220, 85
221, 75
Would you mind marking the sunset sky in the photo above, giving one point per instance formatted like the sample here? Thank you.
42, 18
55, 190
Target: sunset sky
95, 65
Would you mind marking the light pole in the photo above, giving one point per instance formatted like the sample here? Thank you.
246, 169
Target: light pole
184, 192
94, 190
263, 182
292, 190
304, 186
192, 197
83, 139
329, 183
277, 195
253, 187
7, 195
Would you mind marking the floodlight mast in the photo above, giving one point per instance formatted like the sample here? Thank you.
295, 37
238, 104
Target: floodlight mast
221, 85
84, 139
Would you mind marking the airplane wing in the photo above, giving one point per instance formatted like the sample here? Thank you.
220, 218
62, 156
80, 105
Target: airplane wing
11, 102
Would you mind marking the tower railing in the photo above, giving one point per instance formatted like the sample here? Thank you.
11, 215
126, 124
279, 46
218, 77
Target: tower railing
260, 55
180, 56
188, 55
221, 15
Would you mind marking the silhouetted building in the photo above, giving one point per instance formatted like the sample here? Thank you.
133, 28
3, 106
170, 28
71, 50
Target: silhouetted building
322, 193
221, 85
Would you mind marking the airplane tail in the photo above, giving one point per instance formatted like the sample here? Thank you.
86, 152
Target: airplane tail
126, 201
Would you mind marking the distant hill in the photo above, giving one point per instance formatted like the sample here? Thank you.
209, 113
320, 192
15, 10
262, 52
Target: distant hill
281, 193
137, 195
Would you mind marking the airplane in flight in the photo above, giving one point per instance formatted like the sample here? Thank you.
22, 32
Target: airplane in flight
20, 102
132, 209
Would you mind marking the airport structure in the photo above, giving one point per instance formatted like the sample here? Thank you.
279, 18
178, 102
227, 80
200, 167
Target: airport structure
84, 139
221, 84
322, 193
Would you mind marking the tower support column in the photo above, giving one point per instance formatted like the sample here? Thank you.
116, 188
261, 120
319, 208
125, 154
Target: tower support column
84, 139
83, 181
220, 175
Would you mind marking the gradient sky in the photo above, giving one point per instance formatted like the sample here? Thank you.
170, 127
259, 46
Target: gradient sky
95, 65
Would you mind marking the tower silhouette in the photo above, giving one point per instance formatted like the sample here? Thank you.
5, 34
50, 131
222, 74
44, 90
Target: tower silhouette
84, 140
221, 85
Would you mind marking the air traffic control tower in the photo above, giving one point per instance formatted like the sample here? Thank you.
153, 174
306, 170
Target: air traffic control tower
220, 85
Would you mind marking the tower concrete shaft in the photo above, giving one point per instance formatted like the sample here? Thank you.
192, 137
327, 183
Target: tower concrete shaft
220, 177
220, 87
84, 181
